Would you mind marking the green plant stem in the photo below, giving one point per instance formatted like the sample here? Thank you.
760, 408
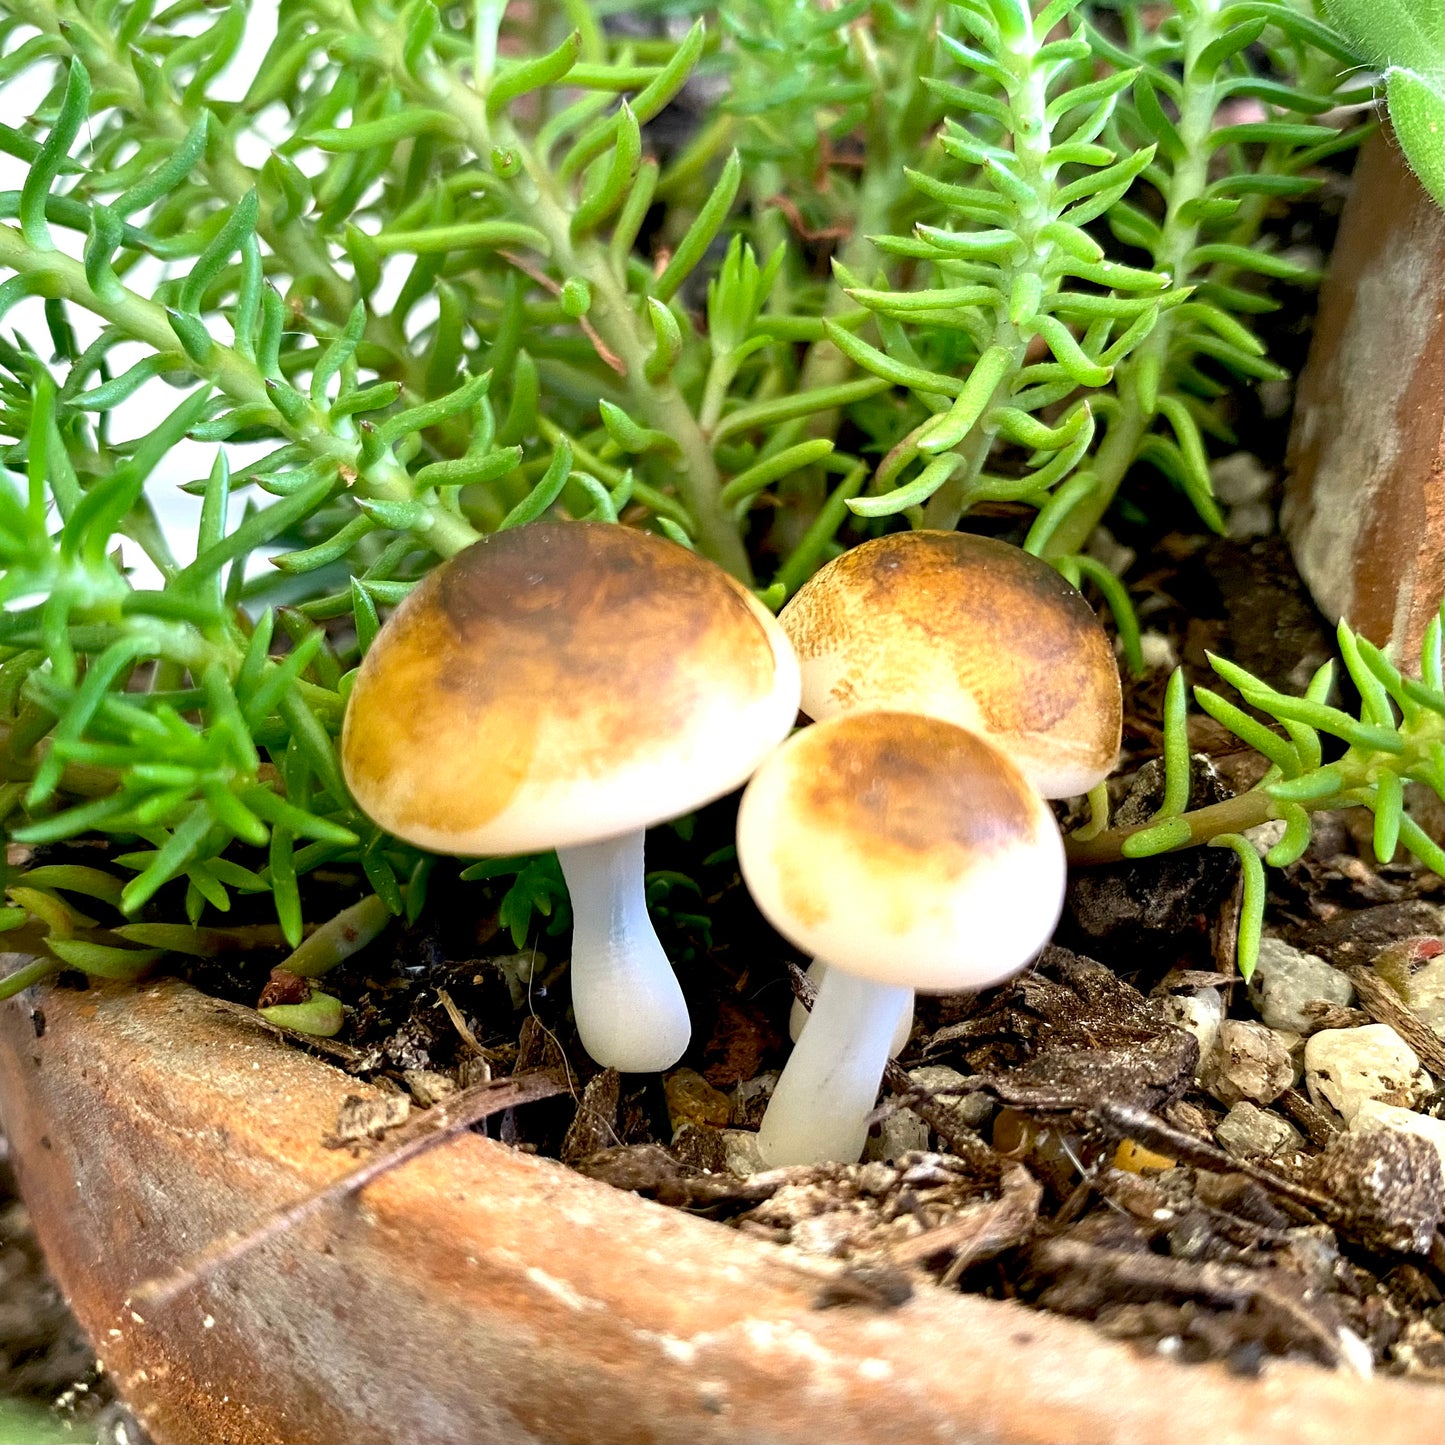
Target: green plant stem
1233, 815
444, 531
1187, 182
1358, 772
628, 336
880, 191
1028, 105
33, 972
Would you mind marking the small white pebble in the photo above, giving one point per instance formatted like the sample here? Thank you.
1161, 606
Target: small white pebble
1265, 835
136, 1318
1253, 519
1158, 651
209, 1323
1240, 478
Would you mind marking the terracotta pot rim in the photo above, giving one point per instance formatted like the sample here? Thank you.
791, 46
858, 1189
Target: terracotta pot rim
478, 1293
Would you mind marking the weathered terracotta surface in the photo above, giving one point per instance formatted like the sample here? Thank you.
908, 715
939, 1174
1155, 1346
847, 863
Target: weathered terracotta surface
1365, 502
480, 1295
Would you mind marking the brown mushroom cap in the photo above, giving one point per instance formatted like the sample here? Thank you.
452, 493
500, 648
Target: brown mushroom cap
904, 849
971, 630
563, 683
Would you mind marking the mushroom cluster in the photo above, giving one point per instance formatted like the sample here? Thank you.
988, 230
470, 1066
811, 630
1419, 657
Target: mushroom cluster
956, 683
567, 686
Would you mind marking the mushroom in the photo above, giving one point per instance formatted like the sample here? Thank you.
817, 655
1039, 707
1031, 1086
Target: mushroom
907, 853
798, 1014
970, 630
567, 686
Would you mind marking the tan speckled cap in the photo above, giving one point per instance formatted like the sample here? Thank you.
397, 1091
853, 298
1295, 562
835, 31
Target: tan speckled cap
904, 849
561, 684
971, 630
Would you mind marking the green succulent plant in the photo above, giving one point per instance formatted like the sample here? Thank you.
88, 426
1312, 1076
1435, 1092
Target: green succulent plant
441, 270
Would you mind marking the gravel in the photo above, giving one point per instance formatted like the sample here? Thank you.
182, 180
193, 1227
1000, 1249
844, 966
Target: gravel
1287, 980
1344, 1067
1249, 1132
1248, 1063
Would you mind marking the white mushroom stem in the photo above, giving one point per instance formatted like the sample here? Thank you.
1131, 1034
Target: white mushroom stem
798, 1015
630, 1011
819, 1110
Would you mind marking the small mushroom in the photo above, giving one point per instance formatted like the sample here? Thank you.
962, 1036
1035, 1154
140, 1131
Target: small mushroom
970, 630
907, 853
567, 686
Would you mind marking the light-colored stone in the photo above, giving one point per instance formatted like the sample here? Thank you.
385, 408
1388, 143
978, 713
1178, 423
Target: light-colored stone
1425, 994
1249, 1132
740, 1152
1344, 1067
902, 1132
1286, 981
750, 1099
1247, 1062
973, 1110
1240, 478
1199, 1012
1253, 519
1373, 1114
1264, 836
1158, 651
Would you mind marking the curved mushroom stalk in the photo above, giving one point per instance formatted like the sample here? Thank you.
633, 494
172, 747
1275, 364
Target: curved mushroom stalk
630, 1011
819, 1110
798, 1015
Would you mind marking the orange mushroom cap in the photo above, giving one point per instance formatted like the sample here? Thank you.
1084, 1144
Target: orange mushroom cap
971, 630
560, 684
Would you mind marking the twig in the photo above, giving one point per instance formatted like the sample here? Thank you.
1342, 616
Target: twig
1222, 1284
461, 1111
605, 352
980, 1231
1385, 1006
460, 1024
1128, 1121
1319, 1127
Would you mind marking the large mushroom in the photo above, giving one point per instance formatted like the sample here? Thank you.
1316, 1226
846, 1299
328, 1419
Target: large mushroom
970, 630
567, 686
906, 853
